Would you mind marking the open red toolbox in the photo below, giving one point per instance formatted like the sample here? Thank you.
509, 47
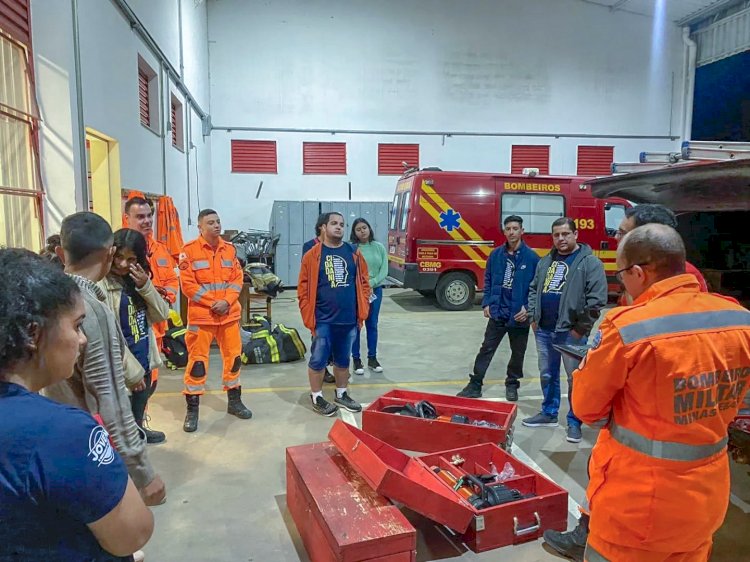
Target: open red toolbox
739, 439
413, 482
340, 518
431, 435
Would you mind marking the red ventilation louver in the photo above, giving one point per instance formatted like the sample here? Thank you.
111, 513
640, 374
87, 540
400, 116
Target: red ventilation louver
529, 156
173, 117
143, 98
324, 158
14, 20
391, 158
254, 157
595, 160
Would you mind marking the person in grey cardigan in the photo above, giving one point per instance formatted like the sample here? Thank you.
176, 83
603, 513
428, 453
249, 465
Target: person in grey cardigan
98, 382
565, 297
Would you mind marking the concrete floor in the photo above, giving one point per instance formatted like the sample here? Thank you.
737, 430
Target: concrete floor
226, 482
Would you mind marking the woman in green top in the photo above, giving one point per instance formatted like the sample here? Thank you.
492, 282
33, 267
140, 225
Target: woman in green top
377, 265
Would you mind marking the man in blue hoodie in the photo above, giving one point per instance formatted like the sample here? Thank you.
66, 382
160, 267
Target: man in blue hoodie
510, 270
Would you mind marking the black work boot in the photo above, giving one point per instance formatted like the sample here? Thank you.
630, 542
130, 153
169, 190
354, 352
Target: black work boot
473, 389
191, 417
573, 544
511, 393
235, 405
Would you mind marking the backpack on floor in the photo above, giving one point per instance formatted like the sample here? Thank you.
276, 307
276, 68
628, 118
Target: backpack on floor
174, 348
291, 347
261, 349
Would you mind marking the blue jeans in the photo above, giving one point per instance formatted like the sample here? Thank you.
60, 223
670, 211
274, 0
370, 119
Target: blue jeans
372, 327
332, 340
549, 371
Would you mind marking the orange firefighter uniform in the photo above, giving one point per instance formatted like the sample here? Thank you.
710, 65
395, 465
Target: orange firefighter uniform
208, 276
165, 281
168, 226
664, 378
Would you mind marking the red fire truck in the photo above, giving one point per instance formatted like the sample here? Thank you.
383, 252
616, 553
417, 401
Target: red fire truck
444, 225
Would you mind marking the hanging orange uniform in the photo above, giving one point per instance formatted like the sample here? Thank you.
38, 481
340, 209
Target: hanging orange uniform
168, 229
666, 375
165, 280
208, 276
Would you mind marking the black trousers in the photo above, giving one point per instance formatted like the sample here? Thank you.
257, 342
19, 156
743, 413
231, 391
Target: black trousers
139, 399
493, 335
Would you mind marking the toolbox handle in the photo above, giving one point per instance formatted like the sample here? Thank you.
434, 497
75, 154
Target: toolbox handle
527, 530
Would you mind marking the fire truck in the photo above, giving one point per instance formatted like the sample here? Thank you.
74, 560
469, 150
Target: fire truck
444, 225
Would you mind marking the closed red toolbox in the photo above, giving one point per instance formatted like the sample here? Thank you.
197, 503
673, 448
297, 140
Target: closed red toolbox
431, 435
415, 482
338, 515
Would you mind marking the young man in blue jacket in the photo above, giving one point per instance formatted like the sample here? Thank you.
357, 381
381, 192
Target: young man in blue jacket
510, 270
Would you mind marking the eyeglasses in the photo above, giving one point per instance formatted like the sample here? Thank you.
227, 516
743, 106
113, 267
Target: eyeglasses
619, 272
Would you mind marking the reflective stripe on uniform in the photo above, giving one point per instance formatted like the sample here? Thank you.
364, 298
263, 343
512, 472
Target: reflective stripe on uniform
233, 286
170, 290
201, 264
233, 384
162, 262
227, 263
667, 450
202, 291
591, 555
193, 388
680, 323
193, 329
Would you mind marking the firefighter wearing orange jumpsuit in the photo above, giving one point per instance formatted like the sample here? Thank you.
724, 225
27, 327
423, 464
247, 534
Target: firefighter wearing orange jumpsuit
664, 378
140, 217
211, 279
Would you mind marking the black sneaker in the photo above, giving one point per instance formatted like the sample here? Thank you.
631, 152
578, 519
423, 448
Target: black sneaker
153, 436
471, 390
373, 365
573, 544
511, 394
540, 420
323, 406
359, 368
347, 403
328, 376
574, 434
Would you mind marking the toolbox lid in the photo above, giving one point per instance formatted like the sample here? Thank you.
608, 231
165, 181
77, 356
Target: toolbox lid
400, 477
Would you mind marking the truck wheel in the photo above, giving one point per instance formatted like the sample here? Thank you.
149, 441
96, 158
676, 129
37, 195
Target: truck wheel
455, 291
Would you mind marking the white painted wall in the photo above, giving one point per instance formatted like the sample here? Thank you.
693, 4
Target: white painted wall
513, 67
109, 69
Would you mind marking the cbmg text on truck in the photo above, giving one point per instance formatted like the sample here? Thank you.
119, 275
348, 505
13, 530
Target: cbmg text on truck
444, 225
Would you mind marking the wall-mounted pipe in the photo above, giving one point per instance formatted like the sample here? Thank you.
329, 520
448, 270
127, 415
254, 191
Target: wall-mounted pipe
439, 133
688, 92
146, 37
163, 88
83, 170
188, 132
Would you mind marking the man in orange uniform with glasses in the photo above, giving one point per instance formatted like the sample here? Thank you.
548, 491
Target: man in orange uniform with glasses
664, 378
211, 279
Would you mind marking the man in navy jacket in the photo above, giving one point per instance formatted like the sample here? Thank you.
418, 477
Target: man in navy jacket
510, 270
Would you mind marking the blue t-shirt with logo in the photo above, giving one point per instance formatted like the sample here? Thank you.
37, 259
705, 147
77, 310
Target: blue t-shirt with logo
134, 325
337, 289
58, 472
552, 289
506, 291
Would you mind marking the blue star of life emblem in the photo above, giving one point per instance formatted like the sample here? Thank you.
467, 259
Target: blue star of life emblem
450, 220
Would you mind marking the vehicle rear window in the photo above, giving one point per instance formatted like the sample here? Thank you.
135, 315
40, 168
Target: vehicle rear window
537, 211
394, 211
405, 211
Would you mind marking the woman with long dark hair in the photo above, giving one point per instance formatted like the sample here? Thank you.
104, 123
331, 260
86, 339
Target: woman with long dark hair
137, 305
377, 264
65, 493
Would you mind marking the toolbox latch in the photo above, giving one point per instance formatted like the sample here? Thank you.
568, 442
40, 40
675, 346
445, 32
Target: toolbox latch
479, 522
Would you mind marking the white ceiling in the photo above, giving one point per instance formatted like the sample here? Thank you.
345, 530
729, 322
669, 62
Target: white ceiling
682, 12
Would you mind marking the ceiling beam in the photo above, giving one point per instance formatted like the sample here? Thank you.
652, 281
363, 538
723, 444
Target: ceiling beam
617, 5
707, 11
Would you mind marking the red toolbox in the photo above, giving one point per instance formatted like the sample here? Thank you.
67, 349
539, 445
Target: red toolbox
338, 515
429, 436
412, 481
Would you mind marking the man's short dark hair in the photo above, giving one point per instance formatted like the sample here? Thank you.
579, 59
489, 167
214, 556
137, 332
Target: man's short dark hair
319, 223
651, 213
136, 201
657, 245
84, 233
513, 218
565, 221
206, 212
327, 216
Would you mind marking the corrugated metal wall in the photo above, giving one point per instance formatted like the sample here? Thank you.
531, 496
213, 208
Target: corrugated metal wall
529, 156
723, 38
14, 19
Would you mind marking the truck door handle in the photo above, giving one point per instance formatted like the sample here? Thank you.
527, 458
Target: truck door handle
604, 245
